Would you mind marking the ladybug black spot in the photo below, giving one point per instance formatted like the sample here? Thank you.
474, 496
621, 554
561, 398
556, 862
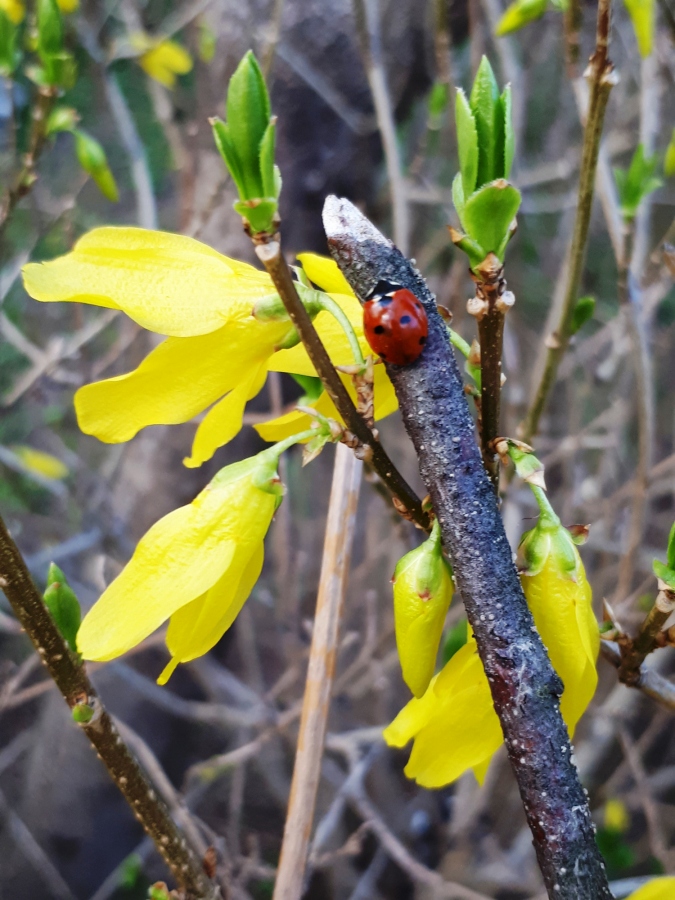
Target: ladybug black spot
423, 340
379, 329
405, 320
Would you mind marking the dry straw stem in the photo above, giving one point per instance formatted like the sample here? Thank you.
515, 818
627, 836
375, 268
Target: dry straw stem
525, 689
320, 674
270, 255
71, 679
601, 79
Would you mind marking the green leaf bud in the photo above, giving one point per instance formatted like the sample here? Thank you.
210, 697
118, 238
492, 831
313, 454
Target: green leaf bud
272, 309
423, 589
50, 30
666, 571
248, 115
583, 312
82, 713
518, 14
93, 160
671, 547
636, 182
63, 605
62, 118
485, 106
467, 143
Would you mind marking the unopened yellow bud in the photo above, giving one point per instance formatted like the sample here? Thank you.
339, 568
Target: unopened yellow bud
423, 589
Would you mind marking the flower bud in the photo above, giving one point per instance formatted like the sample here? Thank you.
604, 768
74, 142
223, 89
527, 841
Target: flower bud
63, 605
423, 589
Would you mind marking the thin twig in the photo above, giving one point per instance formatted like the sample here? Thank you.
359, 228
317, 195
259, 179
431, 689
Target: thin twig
277, 268
525, 688
573, 19
634, 651
631, 306
318, 688
649, 682
601, 77
71, 679
368, 27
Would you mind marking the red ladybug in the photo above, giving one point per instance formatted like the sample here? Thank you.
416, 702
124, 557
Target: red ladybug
395, 323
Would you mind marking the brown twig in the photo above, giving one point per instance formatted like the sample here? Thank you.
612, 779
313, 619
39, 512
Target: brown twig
489, 306
634, 651
525, 688
372, 450
601, 77
27, 175
71, 679
318, 688
649, 682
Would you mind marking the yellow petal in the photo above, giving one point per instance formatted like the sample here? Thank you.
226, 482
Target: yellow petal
562, 613
333, 337
224, 421
295, 421
657, 889
480, 771
165, 61
179, 559
15, 10
178, 379
325, 273
42, 463
386, 401
167, 283
68, 6
414, 716
197, 627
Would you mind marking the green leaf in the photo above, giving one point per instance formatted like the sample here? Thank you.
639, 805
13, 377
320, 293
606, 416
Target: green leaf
63, 605
467, 143
9, 55
519, 14
248, 115
637, 182
671, 548
61, 118
488, 214
583, 312
267, 161
642, 14
438, 101
458, 196
485, 105
509, 135
312, 387
260, 214
664, 573
669, 161
221, 135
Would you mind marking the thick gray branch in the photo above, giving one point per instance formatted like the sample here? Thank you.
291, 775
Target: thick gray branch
524, 686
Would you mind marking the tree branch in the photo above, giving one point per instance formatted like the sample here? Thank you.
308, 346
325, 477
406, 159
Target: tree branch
648, 681
71, 679
270, 255
524, 686
600, 74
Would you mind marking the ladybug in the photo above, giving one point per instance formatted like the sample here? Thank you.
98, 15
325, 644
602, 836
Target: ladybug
395, 323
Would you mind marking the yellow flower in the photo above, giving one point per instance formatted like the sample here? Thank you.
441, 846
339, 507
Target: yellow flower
616, 816
40, 462
68, 6
657, 889
216, 351
161, 60
196, 566
454, 725
325, 273
423, 589
15, 10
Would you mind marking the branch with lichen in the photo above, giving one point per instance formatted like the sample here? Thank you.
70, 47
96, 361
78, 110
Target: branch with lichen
601, 77
524, 686
88, 711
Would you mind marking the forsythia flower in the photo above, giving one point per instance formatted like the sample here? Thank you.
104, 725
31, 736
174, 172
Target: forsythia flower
196, 566
15, 10
216, 351
657, 889
454, 725
68, 6
162, 60
423, 589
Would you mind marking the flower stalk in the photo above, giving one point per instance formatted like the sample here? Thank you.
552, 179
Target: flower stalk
90, 714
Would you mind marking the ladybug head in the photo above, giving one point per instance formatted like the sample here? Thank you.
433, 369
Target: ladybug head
383, 289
